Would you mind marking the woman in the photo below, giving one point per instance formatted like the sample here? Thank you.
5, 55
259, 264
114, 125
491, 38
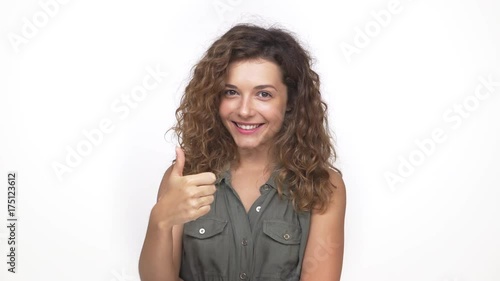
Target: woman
253, 194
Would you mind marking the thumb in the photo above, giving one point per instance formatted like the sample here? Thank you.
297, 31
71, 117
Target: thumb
180, 159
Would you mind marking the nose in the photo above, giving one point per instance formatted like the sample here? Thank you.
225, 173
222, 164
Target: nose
245, 107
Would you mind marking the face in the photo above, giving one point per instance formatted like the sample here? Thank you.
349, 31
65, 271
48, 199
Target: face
253, 104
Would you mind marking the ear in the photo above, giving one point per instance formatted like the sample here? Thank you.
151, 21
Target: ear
289, 104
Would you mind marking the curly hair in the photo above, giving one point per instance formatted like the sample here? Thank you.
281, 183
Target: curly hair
303, 152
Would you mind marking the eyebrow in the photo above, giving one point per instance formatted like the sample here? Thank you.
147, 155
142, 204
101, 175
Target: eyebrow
259, 87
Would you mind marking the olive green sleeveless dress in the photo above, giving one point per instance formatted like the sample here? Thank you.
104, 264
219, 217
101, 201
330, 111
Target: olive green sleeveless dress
265, 244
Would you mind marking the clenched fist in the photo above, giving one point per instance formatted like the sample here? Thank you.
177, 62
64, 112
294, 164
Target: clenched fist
183, 198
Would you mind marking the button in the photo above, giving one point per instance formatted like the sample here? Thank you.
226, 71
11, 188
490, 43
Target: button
244, 242
257, 209
243, 276
286, 236
202, 230
266, 187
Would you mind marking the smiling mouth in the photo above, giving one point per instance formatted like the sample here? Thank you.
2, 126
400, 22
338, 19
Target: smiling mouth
248, 126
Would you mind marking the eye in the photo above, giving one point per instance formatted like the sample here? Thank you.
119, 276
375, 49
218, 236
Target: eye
230, 93
264, 95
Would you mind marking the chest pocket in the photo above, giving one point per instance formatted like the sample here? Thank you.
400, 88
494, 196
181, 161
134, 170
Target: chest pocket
204, 228
279, 249
205, 247
282, 232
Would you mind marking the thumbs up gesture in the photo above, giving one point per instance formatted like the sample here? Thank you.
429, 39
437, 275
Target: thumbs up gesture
183, 198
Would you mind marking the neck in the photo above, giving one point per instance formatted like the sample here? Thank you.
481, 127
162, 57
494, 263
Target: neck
254, 159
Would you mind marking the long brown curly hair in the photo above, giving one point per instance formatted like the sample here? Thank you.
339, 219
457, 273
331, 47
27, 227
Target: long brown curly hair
303, 150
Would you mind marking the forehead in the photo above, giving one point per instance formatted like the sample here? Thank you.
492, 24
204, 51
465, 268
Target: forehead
255, 70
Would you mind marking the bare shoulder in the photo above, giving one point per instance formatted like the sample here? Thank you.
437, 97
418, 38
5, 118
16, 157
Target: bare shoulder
339, 191
168, 171
163, 188
338, 199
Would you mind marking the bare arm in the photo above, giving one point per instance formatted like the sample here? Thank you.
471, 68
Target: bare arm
160, 255
161, 252
325, 245
180, 199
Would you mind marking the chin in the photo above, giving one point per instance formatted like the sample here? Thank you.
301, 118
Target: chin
246, 146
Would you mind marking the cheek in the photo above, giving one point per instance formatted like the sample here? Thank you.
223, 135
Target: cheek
223, 110
276, 118
274, 112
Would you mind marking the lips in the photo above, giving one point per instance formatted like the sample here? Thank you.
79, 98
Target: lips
247, 128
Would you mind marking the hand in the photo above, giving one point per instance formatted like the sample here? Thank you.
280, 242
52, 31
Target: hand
183, 198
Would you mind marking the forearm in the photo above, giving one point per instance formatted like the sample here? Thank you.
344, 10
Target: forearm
156, 261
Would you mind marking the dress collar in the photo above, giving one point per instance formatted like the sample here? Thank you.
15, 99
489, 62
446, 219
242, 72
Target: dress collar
226, 177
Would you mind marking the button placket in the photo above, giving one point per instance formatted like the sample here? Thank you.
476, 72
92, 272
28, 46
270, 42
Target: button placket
242, 222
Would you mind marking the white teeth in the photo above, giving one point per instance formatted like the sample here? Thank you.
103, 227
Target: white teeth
247, 127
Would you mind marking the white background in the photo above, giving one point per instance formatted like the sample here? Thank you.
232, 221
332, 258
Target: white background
440, 222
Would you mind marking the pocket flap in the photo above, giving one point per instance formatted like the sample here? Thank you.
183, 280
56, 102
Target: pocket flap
203, 228
283, 232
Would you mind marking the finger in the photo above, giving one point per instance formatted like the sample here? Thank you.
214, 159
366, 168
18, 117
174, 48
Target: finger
194, 214
206, 178
180, 159
204, 201
204, 190
203, 211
